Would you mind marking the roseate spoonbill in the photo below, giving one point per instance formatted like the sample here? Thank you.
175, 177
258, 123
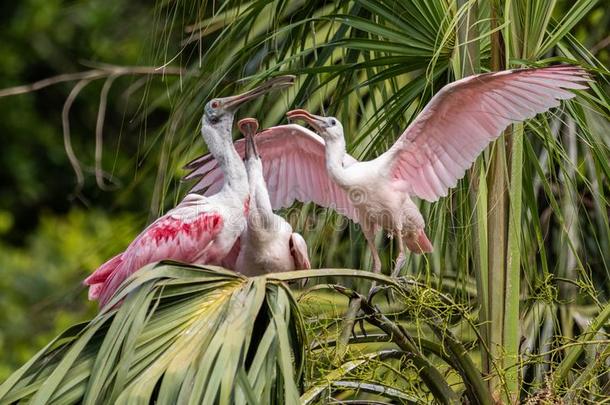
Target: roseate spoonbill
268, 244
428, 159
200, 229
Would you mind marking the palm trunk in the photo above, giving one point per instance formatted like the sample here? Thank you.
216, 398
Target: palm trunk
466, 63
504, 237
497, 236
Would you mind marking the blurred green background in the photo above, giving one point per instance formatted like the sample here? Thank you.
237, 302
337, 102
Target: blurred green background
51, 234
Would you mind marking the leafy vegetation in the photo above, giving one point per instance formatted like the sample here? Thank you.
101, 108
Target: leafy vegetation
50, 238
512, 305
236, 340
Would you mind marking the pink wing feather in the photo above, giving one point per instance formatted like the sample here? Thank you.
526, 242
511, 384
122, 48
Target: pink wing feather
294, 167
183, 234
465, 116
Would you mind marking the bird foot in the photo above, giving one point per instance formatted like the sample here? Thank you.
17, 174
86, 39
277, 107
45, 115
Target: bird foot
360, 322
400, 262
375, 290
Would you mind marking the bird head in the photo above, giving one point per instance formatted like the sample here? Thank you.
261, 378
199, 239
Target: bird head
328, 128
248, 127
218, 108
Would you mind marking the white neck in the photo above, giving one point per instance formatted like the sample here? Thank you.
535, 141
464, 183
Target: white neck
335, 152
220, 144
261, 215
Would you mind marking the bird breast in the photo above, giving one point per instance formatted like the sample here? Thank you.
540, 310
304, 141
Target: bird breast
265, 247
386, 206
267, 255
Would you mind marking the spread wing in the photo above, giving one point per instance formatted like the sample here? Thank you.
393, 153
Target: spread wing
465, 116
294, 167
183, 234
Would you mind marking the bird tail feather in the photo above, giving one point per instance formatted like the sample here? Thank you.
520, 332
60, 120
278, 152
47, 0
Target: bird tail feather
97, 279
420, 243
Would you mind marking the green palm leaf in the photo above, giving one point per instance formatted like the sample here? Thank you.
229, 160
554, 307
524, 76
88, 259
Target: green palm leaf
180, 334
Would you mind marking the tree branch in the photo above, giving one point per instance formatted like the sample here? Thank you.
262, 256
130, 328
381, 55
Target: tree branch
428, 373
92, 74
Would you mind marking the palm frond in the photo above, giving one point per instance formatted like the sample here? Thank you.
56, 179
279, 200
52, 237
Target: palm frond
179, 334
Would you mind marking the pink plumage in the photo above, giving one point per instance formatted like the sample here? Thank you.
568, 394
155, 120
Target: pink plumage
268, 244
301, 153
428, 159
298, 251
185, 234
444, 140
200, 229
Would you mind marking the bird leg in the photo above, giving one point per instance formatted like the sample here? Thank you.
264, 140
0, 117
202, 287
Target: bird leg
400, 260
369, 234
370, 240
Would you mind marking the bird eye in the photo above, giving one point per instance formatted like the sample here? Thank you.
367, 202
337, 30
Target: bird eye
214, 104
333, 122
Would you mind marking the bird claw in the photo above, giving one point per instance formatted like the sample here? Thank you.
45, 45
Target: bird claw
376, 289
360, 323
400, 262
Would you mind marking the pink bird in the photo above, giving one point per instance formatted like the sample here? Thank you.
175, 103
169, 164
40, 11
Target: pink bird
200, 229
428, 159
268, 244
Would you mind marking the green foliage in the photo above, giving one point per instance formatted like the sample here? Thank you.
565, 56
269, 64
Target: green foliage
41, 283
200, 334
374, 65
48, 38
50, 240
180, 335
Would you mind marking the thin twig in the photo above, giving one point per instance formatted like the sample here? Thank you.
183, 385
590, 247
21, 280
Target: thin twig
111, 72
135, 86
65, 121
428, 373
99, 129
600, 45
92, 74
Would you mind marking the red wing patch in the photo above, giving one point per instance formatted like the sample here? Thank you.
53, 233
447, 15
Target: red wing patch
169, 228
167, 238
